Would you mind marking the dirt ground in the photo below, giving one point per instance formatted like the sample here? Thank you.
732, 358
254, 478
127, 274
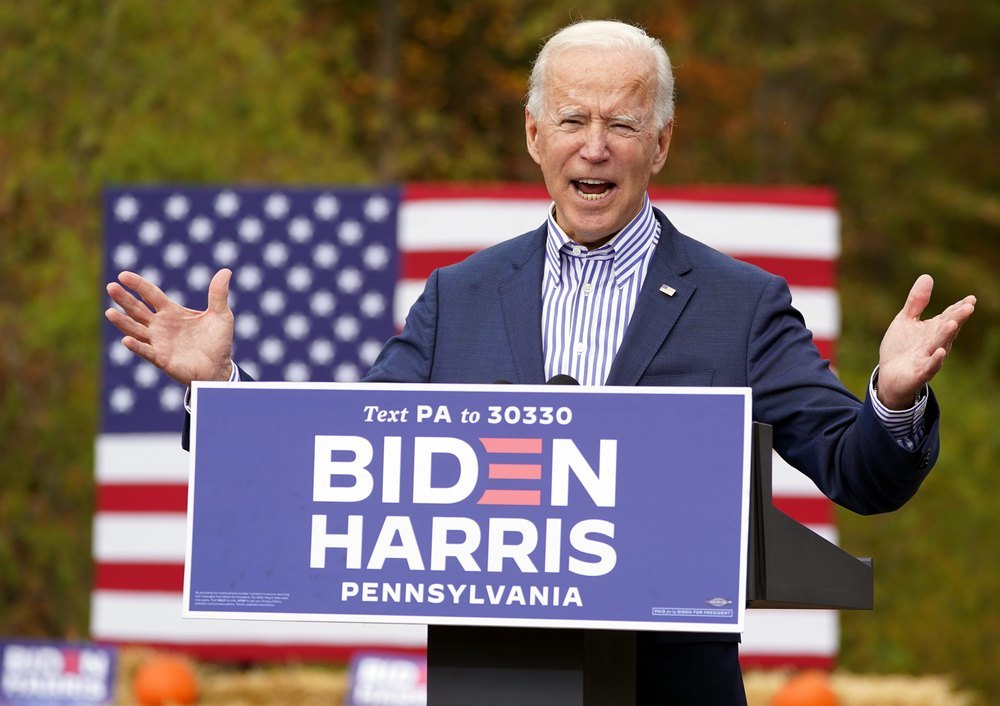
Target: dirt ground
310, 685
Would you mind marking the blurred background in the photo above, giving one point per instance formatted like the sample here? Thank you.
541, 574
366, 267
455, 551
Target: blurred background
892, 103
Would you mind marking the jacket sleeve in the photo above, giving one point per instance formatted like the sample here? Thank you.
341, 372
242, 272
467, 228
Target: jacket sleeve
820, 427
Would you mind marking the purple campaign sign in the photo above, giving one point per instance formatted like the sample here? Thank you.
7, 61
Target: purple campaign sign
53, 673
387, 680
620, 508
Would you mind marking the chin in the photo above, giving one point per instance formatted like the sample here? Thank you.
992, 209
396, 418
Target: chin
590, 230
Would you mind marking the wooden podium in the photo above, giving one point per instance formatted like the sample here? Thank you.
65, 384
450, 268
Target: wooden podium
789, 566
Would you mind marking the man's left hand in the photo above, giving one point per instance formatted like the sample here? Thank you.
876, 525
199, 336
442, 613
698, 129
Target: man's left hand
913, 351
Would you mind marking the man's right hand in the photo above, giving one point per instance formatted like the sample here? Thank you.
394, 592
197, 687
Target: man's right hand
184, 343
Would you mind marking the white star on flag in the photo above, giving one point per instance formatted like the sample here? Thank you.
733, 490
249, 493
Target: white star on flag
227, 204
377, 208
176, 207
326, 207
300, 229
276, 206
351, 232
325, 255
126, 208
249, 278
150, 232
250, 230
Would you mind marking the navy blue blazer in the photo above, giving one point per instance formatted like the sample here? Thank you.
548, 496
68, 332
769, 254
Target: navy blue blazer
728, 324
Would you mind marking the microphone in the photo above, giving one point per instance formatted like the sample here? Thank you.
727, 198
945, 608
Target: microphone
561, 379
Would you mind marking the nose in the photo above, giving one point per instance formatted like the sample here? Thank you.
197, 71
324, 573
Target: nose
595, 143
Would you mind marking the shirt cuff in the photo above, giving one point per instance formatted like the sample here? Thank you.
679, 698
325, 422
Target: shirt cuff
905, 426
234, 376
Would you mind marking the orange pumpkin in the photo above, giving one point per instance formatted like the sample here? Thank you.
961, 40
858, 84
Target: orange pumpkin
810, 688
165, 679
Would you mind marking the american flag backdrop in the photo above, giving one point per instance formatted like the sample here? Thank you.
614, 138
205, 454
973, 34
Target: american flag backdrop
322, 277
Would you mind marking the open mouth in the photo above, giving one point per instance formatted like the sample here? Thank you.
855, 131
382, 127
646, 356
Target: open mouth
593, 189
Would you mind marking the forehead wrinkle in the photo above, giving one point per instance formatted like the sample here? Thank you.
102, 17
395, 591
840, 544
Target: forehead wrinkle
568, 98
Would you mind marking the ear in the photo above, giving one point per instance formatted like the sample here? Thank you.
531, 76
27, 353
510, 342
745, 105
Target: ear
662, 147
531, 136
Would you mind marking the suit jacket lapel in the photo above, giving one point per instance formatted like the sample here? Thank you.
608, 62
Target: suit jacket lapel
521, 301
655, 312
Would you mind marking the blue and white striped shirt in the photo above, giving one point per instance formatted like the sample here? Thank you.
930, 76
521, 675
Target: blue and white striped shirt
588, 296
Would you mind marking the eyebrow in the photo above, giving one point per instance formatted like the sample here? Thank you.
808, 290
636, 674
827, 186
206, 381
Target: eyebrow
625, 118
628, 119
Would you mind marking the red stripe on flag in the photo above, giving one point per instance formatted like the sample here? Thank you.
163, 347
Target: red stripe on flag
418, 264
806, 510
812, 197
109, 576
509, 192
827, 349
798, 272
142, 497
792, 661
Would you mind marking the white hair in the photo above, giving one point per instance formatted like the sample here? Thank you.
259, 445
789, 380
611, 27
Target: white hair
605, 34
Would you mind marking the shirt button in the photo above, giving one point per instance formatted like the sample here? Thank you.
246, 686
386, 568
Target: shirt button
588, 288
580, 348
578, 250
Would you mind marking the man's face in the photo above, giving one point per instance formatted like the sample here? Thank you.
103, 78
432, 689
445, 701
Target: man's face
596, 140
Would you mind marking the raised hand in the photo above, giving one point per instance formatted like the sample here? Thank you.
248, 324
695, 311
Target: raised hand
913, 351
184, 343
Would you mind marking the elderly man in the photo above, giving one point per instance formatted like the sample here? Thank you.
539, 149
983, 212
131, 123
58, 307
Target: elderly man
584, 295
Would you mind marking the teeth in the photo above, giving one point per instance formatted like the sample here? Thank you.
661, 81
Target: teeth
593, 182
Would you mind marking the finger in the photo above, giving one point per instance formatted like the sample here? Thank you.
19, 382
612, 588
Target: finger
218, 291
127, 326
141, 349
918, 298
149, 292
935, 363
130, 305
948, 332
964, 315
961, 313
956, 314
964, 306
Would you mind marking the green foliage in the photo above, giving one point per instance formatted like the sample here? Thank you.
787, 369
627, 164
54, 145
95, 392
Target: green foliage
935, 567
892, 103
98, 93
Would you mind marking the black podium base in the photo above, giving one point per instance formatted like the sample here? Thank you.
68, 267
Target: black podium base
489, 666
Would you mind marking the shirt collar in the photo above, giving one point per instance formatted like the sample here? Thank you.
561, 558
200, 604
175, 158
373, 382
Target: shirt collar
626, 249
